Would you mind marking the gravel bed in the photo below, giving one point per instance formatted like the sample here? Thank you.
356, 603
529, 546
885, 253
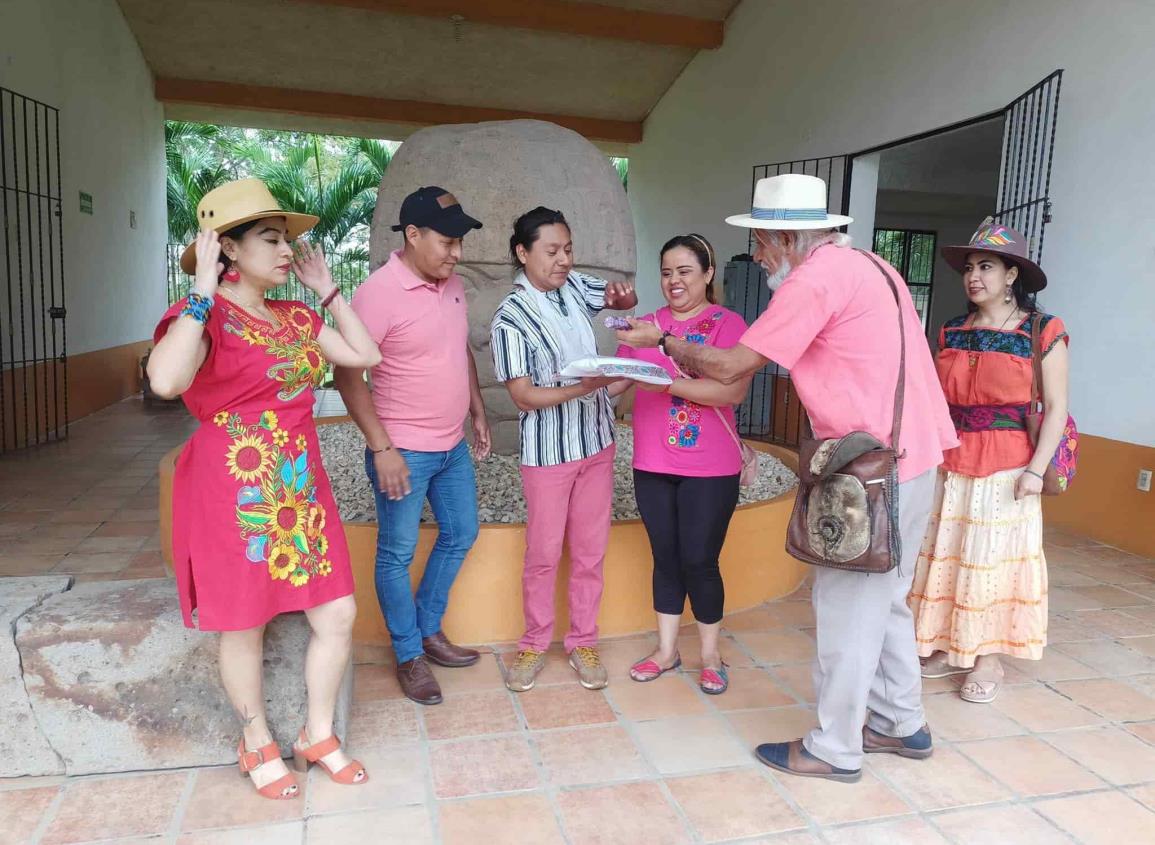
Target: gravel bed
499, 481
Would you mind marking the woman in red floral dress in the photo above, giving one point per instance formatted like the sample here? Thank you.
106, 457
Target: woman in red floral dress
255, 529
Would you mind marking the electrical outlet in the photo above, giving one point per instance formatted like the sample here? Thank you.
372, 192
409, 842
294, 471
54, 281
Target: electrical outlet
1144, 480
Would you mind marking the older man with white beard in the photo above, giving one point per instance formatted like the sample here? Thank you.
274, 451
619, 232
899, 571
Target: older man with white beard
832, 322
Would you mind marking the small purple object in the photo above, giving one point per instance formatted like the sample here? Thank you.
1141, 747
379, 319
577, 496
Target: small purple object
617, 323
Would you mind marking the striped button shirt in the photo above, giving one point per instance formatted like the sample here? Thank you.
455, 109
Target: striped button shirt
523, 346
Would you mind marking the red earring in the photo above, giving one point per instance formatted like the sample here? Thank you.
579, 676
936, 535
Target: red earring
231, 275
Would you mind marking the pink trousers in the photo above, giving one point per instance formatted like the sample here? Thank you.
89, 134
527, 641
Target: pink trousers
570, 502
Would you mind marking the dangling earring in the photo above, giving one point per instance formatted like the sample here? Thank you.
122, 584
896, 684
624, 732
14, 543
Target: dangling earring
1010, 294
231, 275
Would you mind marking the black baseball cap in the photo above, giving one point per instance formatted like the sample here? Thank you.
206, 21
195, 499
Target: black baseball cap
437, 209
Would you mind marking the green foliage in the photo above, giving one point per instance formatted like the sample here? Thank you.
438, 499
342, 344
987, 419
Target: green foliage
195, 167
622, 166
334, 178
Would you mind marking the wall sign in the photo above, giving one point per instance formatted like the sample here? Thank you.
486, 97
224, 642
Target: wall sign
85, 203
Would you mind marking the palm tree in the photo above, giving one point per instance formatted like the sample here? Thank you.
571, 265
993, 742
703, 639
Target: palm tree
195, 167
622, 166
344, 199
336, 179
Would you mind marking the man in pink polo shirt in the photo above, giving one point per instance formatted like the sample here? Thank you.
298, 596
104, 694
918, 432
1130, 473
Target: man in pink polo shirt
832, 321
412, 419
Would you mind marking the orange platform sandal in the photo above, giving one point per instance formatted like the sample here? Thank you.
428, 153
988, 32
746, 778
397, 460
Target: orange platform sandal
283, 788
305, 755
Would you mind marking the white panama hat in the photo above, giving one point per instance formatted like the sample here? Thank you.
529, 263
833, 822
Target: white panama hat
789, 201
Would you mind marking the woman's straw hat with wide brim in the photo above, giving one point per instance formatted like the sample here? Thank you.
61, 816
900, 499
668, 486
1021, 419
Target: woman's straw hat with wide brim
790, 202
239, 202
1005, 242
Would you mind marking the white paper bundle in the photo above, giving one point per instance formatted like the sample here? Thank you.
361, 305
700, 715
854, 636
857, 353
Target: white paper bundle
611, 367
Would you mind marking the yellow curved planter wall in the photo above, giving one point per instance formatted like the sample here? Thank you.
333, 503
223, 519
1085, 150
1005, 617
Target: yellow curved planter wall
485, 604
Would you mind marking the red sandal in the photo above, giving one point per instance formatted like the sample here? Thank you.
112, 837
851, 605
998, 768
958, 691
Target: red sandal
283, 788
718, 679
304, 755
648, 669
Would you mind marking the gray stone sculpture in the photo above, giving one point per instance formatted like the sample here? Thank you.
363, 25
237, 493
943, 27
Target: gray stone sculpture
499, 171
110, 680
24, 750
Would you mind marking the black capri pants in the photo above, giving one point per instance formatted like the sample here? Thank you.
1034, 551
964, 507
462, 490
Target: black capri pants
686, 518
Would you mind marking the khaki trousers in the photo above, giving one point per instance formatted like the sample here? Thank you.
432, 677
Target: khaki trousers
867, 669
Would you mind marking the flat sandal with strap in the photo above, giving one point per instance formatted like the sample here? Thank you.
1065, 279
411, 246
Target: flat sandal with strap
719, 678
304, 755
647, 669
278, 790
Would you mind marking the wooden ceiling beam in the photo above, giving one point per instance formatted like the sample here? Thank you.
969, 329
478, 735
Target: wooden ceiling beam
352, 106
572, 17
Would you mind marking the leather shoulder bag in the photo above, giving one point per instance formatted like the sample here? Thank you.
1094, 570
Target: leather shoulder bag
846, 509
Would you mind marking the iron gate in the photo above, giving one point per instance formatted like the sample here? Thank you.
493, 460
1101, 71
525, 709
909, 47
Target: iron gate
1024, 201
771, 410
33, 361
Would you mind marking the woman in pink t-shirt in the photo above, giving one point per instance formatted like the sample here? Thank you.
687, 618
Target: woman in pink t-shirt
687, 463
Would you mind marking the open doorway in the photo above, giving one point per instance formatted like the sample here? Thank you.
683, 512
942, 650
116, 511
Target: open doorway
932, 192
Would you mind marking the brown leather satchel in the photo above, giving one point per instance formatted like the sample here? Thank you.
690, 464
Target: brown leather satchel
846, 510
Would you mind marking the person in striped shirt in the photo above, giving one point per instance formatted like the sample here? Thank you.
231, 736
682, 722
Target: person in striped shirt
567, 436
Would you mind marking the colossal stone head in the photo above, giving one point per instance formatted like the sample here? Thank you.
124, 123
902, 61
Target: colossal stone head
499, 171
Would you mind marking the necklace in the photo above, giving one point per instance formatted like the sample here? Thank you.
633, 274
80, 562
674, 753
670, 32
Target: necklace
255, 307
231, 294
261, 310
973, 357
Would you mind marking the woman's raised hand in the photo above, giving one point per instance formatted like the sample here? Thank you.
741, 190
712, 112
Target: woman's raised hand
310, 267
209, 266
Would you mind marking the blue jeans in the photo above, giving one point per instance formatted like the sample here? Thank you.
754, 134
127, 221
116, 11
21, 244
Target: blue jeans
447, 480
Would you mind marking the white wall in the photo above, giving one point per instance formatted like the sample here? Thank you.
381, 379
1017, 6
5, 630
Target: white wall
826, 77
81, 57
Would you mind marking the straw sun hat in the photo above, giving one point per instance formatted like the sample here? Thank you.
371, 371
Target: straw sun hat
791, 201
240, 202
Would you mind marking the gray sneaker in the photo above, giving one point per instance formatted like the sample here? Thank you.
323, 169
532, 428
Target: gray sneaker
591, 672
525, 670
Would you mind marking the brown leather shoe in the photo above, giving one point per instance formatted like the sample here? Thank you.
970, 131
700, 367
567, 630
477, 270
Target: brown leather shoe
918, 746
444, 653
794, 759
417, 681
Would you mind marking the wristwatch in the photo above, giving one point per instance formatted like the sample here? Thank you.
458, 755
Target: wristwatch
662, 343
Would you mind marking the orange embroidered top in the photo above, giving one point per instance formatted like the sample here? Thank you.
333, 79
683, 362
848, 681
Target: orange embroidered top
986, 376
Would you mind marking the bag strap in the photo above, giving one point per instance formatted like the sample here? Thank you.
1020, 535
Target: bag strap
721, 417
726, 425
1036, 362
807, 431
900, 386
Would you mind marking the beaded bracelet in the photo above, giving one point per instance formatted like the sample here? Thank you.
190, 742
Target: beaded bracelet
198, 307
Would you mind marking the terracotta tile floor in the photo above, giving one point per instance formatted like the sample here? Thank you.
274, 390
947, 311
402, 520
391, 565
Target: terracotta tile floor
1067, 754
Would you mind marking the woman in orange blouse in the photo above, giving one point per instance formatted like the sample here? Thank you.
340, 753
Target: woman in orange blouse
980, 589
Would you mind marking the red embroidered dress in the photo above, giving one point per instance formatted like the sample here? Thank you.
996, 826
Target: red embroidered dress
255, 528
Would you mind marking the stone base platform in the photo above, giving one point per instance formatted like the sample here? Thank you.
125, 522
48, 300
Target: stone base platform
104, 677
485, 603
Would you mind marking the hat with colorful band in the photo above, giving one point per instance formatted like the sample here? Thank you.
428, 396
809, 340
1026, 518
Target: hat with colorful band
1005, 242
